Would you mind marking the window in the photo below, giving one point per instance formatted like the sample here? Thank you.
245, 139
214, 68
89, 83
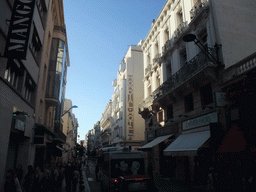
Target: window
42, 10
183, 58
160, 116
206, 94
13, 74
166, 35
44, 77
188, 102
179, 18
35, 45
203, 38
29, 88
149, 90
169, 111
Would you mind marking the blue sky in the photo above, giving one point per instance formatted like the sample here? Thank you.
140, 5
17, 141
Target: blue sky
99, 34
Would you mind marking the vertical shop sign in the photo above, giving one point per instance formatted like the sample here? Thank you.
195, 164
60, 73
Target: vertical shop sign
130, 117
19, 30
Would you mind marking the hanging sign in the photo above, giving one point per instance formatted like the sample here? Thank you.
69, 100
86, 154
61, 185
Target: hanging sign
19, 30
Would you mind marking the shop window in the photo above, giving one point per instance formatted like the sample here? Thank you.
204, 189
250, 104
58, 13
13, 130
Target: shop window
188, 103
160, 116
169, 111
206, 94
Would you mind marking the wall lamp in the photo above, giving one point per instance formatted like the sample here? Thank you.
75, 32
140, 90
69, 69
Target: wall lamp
192, 37
74, 106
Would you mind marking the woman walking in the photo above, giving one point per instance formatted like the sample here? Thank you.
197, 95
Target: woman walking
11, 183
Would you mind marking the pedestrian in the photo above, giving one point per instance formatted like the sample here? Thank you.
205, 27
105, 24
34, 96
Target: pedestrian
38, 176
29, 179
212, 180
61, 183
75, 180
12, 182
97, 171
68, 176
19, 172
55, 177
47, 184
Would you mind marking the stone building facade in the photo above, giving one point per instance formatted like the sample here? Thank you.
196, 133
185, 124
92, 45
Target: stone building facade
183, 77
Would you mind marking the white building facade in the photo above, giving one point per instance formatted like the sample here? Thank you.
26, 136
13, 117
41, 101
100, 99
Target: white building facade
183, 79
127, 125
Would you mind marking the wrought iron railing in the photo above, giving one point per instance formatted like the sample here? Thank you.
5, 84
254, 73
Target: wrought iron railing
59, 28
158, 58
188, 70
180, 29
197, 9
166, 46
148, 69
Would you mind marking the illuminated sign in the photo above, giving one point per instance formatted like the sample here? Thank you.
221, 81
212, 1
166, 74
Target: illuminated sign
19, 30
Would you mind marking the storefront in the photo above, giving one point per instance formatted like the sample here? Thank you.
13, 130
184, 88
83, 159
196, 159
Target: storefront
193, 149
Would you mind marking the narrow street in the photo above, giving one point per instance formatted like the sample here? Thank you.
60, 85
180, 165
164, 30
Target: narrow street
163, 185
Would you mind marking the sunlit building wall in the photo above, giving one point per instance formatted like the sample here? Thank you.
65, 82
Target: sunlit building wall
105, 125
69, 129
127, 125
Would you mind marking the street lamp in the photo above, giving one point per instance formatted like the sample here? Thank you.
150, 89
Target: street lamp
192, 37
74, 106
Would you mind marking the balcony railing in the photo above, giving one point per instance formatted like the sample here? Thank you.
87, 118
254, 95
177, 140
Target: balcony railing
158, 58
148, 69
166, 46
246, 64
59, 28
180, 29
188, 70
197, 9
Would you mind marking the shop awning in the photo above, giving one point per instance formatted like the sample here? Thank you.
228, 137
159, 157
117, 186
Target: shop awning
234, 141
153, 143
187, 144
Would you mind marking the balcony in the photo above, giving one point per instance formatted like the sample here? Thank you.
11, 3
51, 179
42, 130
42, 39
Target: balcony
180, 29
191, 69
197, 9
148, 69
240, 68
167, 46
59, 28
158, 59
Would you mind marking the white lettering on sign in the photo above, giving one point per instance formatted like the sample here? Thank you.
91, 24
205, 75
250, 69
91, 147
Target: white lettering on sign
200, 121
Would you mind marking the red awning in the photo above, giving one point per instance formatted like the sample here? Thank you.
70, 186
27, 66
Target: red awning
234, 141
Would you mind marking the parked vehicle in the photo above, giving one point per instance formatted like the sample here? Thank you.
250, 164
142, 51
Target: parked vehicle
123, 171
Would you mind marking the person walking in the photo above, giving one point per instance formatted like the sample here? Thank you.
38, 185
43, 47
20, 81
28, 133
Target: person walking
212, 181
37, 180
47, 184
29, 179
19, 172
75, 180
12, 182
68, 177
